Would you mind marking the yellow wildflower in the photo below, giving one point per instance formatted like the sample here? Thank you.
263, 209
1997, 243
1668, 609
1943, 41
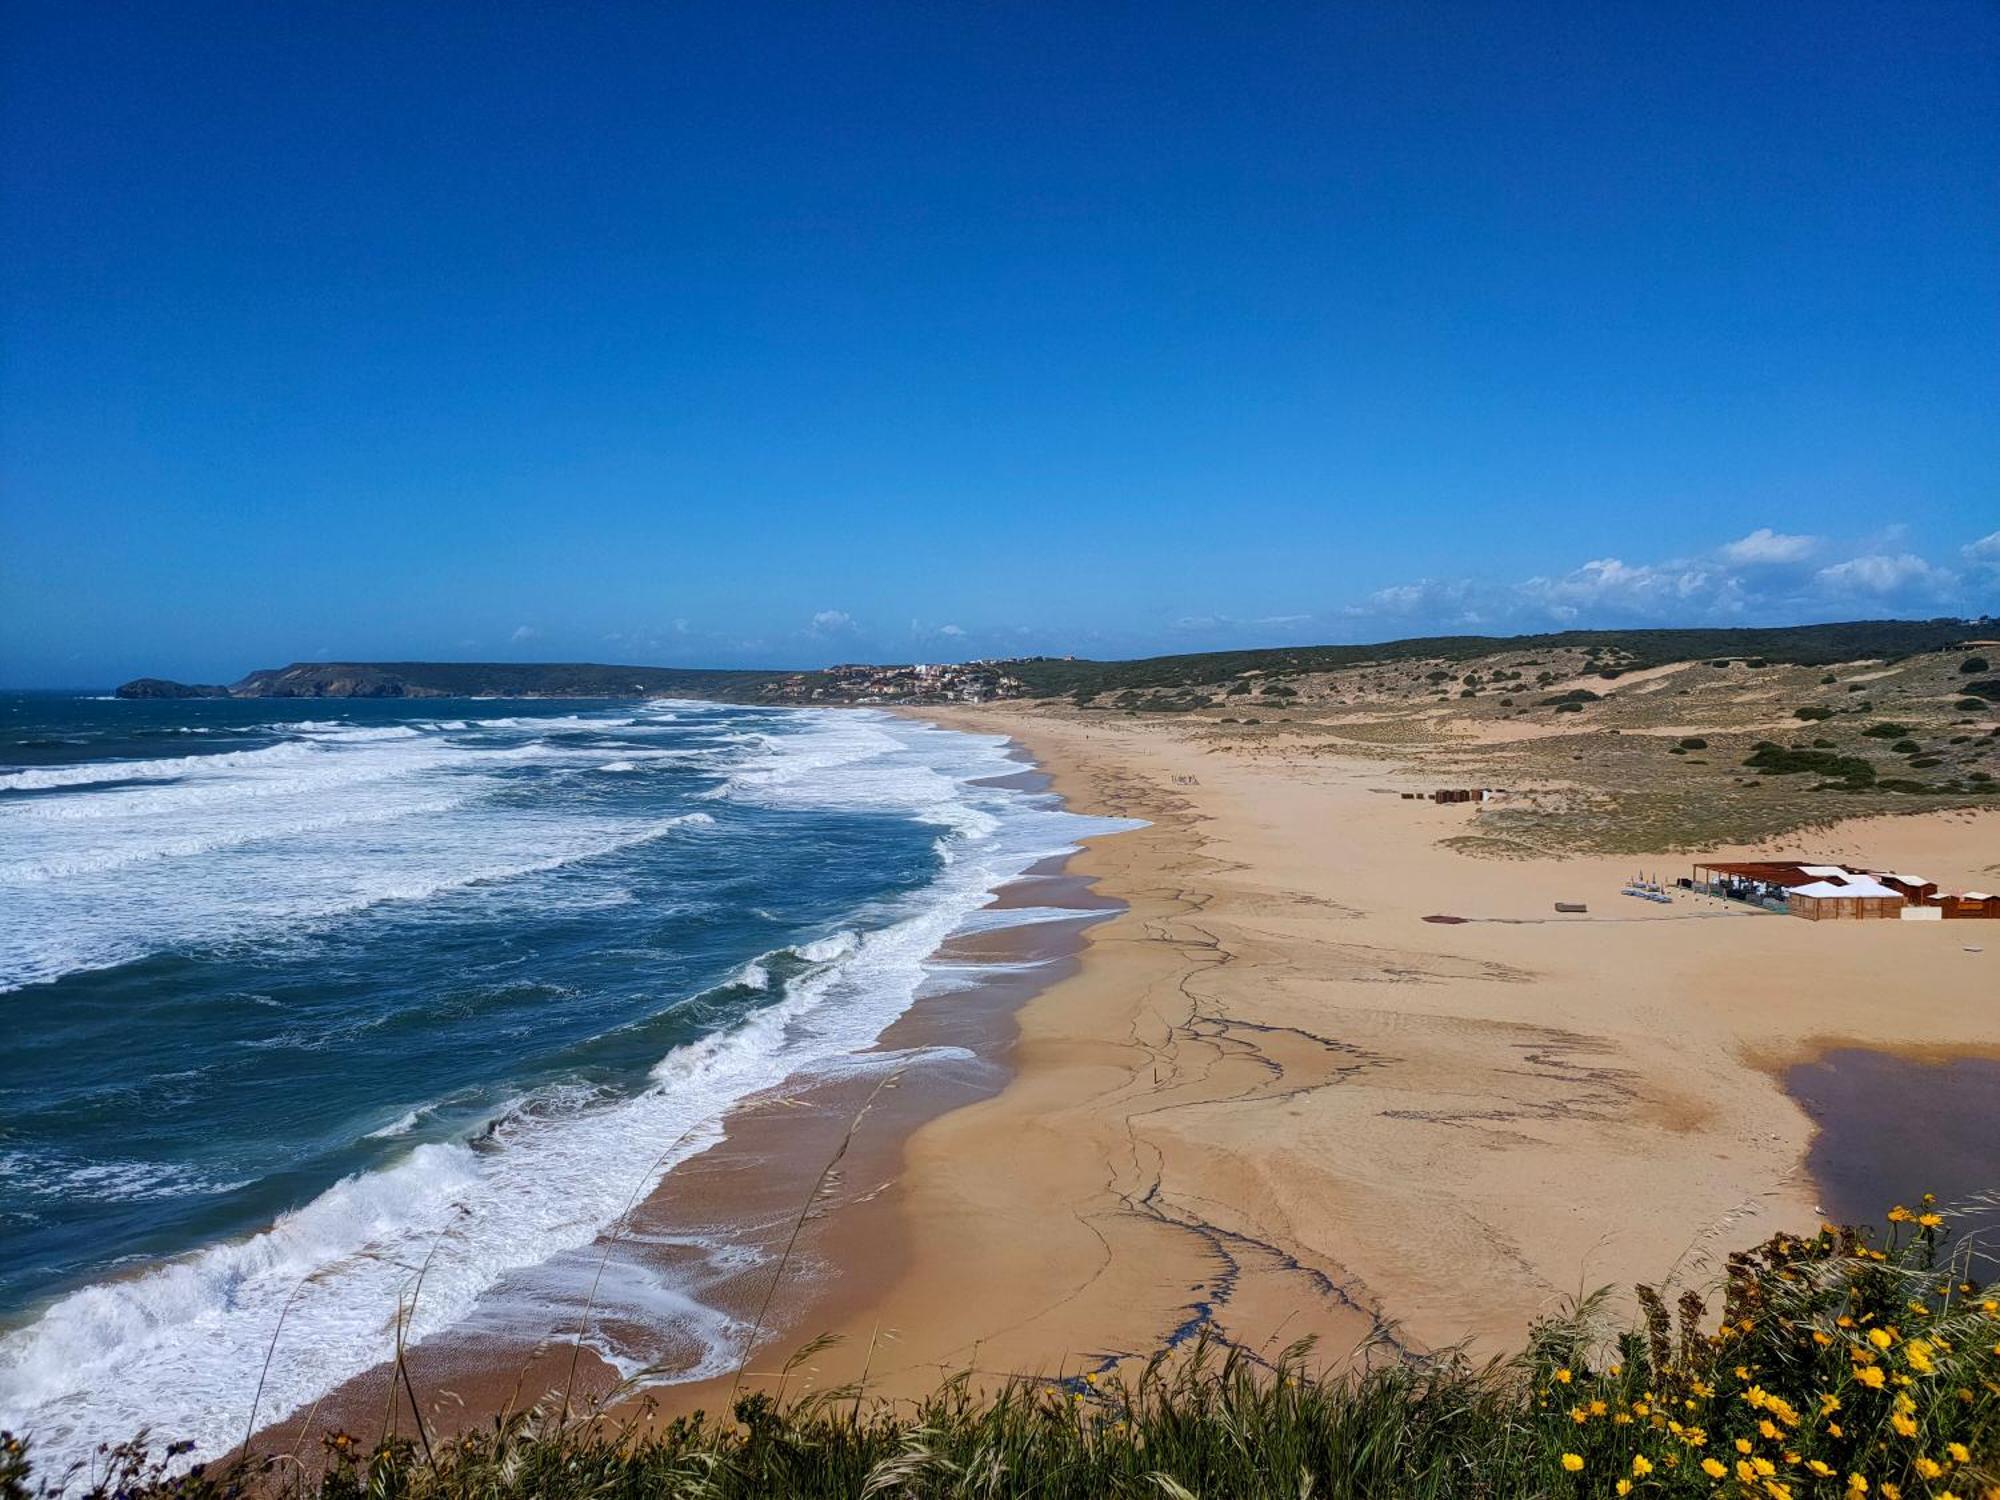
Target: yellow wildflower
1714, 1468
1768, 1428
1870, 1376
1905, 1425
1743, 1445
1917, 1354
1572, 1461
1960, 1454
1930, 1221
1624, 1486
1764, 1466
1563, 1377
1641, 1466
1857, 1484
1881, 1338
1820, 1467
1928, 1467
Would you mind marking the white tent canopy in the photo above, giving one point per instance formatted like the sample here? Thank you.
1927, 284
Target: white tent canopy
1821, 889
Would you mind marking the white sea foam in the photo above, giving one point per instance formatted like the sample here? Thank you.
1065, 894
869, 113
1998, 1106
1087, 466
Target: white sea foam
123, 859
180, 1347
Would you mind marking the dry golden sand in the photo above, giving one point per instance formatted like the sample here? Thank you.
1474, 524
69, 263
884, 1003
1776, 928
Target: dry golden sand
1276, 1101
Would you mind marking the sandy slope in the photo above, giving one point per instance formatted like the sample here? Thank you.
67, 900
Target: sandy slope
1276, 1102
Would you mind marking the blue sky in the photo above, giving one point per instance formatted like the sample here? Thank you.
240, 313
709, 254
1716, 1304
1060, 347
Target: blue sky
757, 334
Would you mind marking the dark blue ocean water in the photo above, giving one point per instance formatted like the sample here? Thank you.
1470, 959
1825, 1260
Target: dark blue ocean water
298, 995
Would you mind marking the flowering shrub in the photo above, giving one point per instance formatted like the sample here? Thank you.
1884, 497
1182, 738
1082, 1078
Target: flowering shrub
1838, 1369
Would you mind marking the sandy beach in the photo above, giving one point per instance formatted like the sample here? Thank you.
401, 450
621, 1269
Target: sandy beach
1266, 1100
1274, 1102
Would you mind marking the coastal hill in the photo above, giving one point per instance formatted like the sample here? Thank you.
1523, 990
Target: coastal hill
431, 679
1048, 676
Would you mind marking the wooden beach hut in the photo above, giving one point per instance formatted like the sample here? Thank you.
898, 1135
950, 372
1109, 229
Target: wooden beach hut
1971, 904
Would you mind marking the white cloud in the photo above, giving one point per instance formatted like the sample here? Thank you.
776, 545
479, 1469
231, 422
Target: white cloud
1985, 552
1760, 578
1767, 546
1429, 598
1880, 573
833, 622
525, 632
1611, 583
951, 630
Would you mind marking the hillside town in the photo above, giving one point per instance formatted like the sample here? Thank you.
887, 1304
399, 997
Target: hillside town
921, 682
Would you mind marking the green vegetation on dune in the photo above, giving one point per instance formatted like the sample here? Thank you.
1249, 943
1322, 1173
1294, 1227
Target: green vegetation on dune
1793, 645
1834, 1370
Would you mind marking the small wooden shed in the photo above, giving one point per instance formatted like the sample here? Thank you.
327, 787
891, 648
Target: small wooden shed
1916, 890
1971, 904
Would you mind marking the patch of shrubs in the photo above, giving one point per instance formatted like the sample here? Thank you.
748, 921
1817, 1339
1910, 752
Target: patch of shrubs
1887, 731
1812, 713
1576, 696
1855, 771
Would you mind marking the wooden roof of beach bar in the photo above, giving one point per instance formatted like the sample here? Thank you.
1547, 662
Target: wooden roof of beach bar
1789, 873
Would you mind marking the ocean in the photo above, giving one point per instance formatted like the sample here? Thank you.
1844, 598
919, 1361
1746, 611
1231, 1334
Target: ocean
305, 998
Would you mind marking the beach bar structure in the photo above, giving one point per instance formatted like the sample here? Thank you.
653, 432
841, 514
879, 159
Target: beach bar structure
1762, 882
1857, 898
1817, 892
1824, 893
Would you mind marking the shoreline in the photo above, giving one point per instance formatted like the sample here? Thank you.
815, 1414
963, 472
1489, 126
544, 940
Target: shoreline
746, 1190
1264, 1071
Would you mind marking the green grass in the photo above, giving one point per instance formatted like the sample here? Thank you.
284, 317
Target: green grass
1814, 1358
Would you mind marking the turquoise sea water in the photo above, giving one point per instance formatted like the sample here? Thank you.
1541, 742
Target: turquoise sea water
300, 995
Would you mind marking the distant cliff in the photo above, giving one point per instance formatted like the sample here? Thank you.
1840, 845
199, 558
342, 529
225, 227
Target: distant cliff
160, 687
431, 679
